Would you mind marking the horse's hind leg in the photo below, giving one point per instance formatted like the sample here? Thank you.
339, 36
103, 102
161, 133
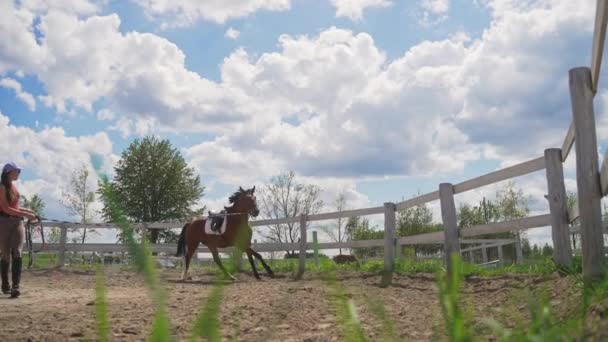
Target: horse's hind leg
259, 257
218, 261
190, 250
252, 262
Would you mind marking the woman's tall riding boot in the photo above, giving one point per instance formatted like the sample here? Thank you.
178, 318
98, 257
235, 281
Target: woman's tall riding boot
6, 287
16, 271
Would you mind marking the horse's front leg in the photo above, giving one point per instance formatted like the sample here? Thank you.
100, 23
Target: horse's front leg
259, 257
218, 261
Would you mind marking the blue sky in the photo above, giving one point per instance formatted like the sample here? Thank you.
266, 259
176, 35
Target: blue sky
382, 99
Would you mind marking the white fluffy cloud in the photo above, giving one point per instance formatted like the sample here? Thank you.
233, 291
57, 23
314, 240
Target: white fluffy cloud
433, 12
232, 34
329, 105
354, 9
23, 96
51, 156
176, 13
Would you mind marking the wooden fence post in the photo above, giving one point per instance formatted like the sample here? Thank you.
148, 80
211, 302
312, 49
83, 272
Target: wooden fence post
484, 254
587, 172
399, 251
389, 243
558, 206
501, 260
316, 248
450, 224
62, 248
302, 265
519, 256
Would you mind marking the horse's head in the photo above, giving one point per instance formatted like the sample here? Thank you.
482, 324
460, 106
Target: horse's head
245, 201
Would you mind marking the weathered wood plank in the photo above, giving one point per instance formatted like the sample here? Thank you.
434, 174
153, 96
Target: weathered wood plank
501, 175
486, 241
302, 263
599, 37
568, 142
412, 202
501, 259
587, 172
62, 246
486, 246
450, 224
315, 243
562, 251
389, 243
508, 226
420, 239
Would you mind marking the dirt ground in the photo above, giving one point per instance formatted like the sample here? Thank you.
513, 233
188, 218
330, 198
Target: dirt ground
59, 306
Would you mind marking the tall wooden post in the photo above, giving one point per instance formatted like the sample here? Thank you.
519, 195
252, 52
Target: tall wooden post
501, 260
302, 265
315, 242
450, 224
587, 172
558, 206
519, 255
389, 243
62, 248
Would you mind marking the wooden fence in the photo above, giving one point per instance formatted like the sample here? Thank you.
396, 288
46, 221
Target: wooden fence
592, 186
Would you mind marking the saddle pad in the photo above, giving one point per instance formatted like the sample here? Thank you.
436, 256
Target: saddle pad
208, 229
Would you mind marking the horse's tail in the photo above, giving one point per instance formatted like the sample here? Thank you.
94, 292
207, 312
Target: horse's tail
181, 243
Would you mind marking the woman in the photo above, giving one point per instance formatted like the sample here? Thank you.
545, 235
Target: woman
12, 231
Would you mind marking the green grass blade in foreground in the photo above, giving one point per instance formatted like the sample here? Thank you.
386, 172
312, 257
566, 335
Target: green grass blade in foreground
346, 311
143, 261
101, 307
449, 298
388, 329
207, 324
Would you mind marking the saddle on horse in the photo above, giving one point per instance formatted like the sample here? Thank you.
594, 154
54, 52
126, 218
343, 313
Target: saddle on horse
216, 220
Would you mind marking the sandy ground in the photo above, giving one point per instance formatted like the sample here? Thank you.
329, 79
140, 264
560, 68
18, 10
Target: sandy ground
59, 306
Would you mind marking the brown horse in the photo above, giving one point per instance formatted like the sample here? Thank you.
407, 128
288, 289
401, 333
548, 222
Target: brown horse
238, 234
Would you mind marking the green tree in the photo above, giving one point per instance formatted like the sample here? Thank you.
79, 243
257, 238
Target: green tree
36, 204
417, 220
154, 183
79, 198
511, 203
547, 250
486, 212
337, 232
286, 197
359, 229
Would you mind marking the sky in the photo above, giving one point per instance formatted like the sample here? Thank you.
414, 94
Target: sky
380, 99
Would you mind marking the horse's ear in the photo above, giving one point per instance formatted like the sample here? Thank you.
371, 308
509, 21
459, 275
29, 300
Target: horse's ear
253, 189
241, 189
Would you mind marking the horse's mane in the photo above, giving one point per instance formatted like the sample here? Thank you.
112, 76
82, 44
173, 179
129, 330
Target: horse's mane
235, 196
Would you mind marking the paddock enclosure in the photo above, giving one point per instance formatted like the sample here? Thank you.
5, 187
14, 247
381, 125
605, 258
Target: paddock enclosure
58, 305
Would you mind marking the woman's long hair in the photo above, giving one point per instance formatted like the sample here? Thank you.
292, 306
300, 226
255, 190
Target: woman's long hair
8, 186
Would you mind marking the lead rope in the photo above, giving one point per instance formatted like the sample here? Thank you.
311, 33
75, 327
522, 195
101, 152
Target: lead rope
29, 242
